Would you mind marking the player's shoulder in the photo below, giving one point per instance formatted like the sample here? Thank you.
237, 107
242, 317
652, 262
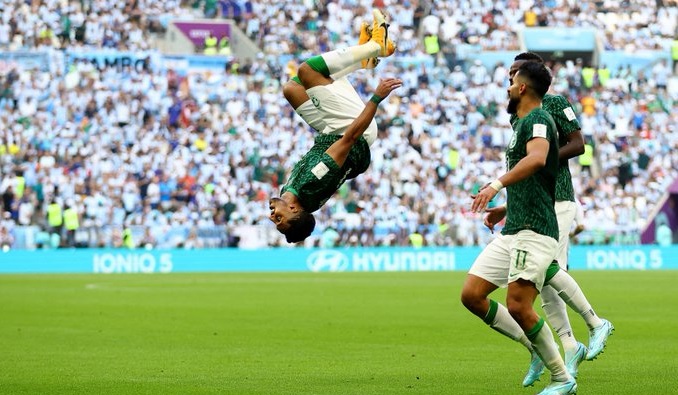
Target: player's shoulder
539, 115
559, 107
554, 102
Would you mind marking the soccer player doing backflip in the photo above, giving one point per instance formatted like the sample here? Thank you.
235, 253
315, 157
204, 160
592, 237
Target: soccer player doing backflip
346, 128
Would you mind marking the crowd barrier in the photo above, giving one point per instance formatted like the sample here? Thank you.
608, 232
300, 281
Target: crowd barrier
377, 259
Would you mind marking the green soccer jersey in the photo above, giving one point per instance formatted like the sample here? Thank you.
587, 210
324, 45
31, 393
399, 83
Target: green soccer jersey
316, 177
566, 123
530, 201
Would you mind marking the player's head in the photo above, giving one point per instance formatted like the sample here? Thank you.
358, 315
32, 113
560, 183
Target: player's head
531, 80
522, 58
291, 220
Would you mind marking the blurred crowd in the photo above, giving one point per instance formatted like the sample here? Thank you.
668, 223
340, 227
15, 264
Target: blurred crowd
122, 25
127, 156
310, 25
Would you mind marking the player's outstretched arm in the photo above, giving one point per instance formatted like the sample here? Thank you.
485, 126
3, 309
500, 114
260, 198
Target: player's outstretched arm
340, 149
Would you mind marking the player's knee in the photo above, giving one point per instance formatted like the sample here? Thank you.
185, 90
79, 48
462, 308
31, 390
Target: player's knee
519, 310
288, 89
295, 94
304, 72
472, 299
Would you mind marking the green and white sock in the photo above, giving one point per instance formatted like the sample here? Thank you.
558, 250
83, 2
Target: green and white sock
571, 293
556, 312
499, 319
336, 61
346, 71
547, 349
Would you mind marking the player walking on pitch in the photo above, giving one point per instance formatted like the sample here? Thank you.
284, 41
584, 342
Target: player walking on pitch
560, 288
520, 256
571, 144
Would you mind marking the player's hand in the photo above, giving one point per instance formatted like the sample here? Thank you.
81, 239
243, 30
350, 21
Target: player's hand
387, 85
480, 189
481, 200
493, 216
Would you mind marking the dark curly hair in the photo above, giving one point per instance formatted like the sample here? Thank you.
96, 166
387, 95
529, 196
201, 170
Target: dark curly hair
529, 56
538, 75
300, 227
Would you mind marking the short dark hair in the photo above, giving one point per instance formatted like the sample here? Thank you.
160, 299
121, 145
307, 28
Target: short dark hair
538, 75
301, 226
529, 56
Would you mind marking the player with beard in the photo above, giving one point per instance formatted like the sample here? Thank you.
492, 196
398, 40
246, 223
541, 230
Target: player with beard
520, 256
560, 288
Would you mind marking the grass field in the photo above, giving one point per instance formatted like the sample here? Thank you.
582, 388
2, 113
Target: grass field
305, 333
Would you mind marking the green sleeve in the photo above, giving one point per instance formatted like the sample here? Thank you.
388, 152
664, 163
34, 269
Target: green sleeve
563, 114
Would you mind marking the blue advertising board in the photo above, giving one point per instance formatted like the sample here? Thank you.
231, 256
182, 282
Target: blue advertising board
636, 60
26, 60
118, 60
311, 260
559, 39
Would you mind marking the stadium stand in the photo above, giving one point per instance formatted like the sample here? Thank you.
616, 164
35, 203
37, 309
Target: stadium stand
151, 157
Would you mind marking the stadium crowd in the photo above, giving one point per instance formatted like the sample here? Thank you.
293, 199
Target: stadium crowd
136, 156
492, 25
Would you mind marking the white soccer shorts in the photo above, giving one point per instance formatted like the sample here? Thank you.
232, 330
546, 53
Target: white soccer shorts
311, 116
339, 105
565, 211
525, 255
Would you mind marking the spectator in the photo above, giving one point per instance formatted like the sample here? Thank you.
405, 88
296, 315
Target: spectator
664, 236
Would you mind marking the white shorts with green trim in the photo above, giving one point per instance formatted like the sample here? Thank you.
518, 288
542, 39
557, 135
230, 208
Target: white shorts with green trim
311, 116
525, 255
339, 105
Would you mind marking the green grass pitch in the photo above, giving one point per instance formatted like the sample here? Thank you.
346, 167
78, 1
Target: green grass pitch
307, 333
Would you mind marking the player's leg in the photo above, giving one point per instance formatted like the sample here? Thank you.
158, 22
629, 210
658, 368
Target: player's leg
365, 36
296, 95
490, 271
568, 289
530, 254
520, 298
600, 329
554, 307
318, 69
